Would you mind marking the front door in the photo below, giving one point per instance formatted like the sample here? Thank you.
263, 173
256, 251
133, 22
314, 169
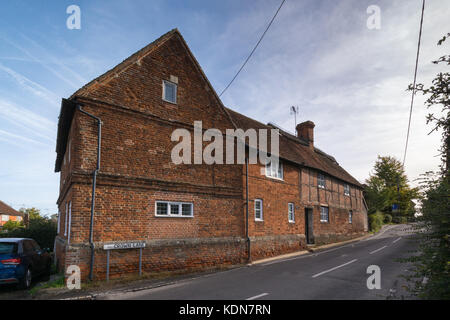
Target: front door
309, 232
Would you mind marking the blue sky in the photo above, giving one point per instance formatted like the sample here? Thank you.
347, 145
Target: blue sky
318, 54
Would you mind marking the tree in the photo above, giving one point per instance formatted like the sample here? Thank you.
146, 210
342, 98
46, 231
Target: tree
431, 277
388, 186
39, 228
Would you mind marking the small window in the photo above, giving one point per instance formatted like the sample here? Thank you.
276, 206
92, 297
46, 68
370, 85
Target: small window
258, 209
169, 92
174, 209
321, 181
291, 214
350, 216
324, 217
347, 190
5, 217
274, 170
66, 219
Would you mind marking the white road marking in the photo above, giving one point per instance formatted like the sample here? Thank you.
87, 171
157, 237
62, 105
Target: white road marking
378, 250
396, 240
329, 270
258, 296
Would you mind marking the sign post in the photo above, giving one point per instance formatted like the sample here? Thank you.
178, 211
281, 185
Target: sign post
123, 246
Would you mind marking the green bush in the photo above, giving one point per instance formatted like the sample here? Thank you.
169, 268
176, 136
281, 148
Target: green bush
376, 221
41, 229
387, 218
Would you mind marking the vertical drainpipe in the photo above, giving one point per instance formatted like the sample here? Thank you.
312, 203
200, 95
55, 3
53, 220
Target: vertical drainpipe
246, 211
94, 183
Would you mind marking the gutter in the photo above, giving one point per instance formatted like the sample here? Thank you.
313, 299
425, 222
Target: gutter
94, 184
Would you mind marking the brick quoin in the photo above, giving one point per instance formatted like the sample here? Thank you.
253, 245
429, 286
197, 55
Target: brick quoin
136, 170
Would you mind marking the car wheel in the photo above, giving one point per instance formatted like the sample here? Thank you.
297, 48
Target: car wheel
25, 283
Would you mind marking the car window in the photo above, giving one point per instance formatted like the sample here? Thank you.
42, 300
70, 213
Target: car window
8, 247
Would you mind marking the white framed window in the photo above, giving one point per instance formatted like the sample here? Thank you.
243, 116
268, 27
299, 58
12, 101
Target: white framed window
65, 219
174, 209
169, 91
321, 181
291, 213
258, 210
5, 217
70, 222
346, 189
350, 216
274, 170
324, 216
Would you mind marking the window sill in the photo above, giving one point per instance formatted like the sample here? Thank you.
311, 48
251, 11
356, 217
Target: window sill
275, 178
171, 216
293, 222
259, 220
174, 103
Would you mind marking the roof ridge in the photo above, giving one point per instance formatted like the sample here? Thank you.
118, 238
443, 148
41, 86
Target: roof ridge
9, 210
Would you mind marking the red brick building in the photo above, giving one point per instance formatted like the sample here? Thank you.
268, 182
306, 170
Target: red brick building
189, 216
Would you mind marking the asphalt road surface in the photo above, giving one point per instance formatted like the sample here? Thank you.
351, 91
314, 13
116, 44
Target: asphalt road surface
335, 273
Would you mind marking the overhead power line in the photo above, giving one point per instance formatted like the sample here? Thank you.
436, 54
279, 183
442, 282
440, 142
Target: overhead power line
414, 85
251, 53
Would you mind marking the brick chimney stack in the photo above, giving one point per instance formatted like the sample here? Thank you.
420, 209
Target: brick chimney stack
305, 131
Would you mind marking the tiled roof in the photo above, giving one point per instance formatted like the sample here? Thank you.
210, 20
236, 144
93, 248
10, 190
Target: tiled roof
297, 150
5, 209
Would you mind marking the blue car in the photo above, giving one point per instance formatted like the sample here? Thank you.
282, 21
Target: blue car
21, 260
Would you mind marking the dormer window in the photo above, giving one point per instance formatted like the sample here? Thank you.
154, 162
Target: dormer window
169, 91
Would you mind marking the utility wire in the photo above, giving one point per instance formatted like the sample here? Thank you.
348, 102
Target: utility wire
251, 53
414, 85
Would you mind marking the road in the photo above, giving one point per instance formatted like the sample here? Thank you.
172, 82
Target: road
335, 273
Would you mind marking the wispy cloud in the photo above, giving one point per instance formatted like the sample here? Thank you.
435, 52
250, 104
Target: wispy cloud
31, 86
28, 121
16, 139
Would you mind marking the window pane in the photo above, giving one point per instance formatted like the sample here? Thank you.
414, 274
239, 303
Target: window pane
258, 209
174, 209
324, 214
186, 209
161, 208
170, 92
